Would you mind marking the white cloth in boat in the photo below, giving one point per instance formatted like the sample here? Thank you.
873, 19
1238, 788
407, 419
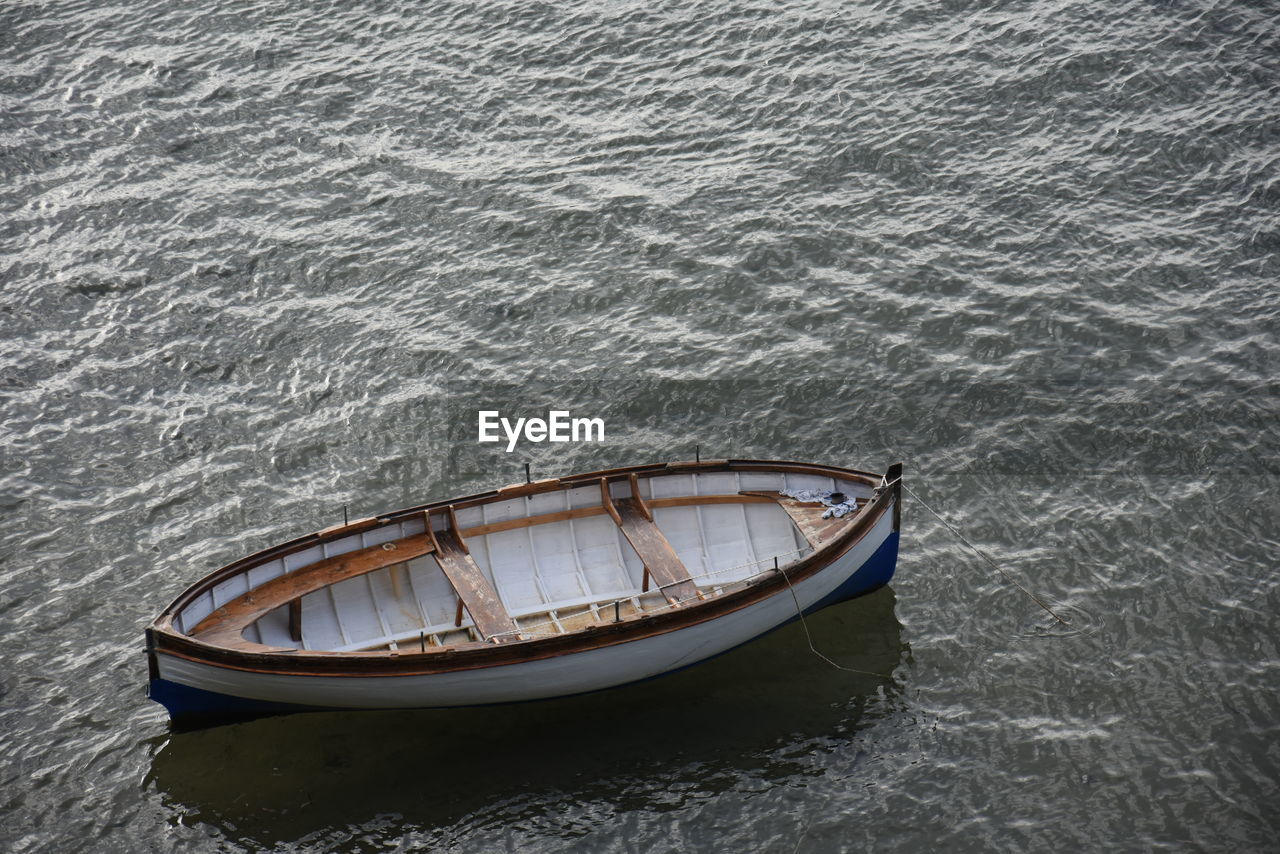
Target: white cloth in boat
837, 508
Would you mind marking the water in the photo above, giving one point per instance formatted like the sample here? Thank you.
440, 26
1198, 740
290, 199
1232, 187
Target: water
260, 262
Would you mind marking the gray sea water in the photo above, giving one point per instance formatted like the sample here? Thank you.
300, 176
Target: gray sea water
260, 261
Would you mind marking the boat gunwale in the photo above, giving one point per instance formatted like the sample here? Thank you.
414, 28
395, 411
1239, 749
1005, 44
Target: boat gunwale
162, 637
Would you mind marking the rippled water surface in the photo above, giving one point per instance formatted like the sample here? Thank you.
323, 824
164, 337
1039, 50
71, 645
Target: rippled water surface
263, 260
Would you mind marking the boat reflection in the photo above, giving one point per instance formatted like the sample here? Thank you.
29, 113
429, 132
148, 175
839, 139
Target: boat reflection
756, 711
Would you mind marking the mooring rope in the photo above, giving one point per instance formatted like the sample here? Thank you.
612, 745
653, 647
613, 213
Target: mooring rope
1007, 577
809, 637
805, 624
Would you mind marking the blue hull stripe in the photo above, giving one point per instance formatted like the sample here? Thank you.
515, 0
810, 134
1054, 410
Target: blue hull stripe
196, 707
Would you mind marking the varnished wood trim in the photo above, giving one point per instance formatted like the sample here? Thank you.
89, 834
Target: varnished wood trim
527, 521
471, 585
790, 466
607, 501
516, 490
453, 526
636, 497
227, 623
808, 518
430, 534
693, 466
481, 655
583, 512
660, 560
688, 500
587, 478
358, 526
166, 618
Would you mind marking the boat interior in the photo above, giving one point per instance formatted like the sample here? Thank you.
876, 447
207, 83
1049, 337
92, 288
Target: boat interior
558, 558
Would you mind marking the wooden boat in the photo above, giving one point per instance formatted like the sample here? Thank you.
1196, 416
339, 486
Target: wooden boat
538, 590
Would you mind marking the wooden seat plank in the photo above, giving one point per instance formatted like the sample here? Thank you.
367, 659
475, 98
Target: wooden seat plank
474, 590
659, 558
226, 625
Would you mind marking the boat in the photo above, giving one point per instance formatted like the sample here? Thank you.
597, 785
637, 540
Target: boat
542, 589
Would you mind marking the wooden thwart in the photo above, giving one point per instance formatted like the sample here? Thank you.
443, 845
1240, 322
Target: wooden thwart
659, 558
225, 626
473, 589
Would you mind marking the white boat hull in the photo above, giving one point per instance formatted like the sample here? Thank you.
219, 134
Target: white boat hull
192, 689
